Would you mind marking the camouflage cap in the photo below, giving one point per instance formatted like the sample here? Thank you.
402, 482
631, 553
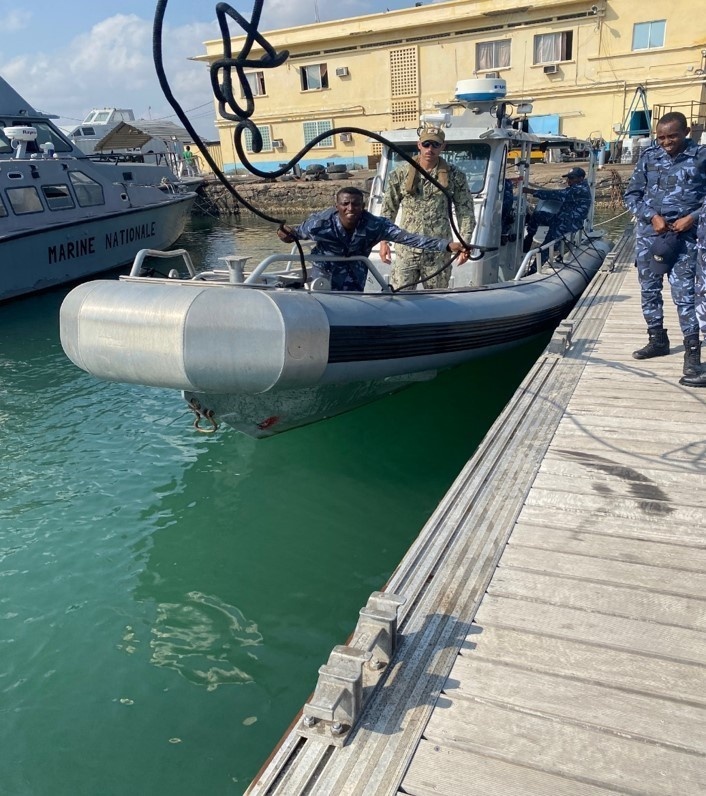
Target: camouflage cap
432, 134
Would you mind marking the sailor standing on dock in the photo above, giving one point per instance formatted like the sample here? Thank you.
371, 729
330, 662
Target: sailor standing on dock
699, 380
665, 194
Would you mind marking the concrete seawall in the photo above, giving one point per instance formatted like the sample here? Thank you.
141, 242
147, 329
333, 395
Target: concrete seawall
302, 197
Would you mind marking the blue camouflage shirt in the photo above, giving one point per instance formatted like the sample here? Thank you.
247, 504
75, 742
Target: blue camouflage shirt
575, 204
671, 187
326, 230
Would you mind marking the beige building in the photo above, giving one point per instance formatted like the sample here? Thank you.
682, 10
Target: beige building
596, 71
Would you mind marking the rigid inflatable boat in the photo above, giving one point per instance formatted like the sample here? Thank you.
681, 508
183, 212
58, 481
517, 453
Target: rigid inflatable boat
266, 350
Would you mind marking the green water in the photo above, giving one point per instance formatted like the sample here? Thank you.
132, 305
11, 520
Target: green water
167, 597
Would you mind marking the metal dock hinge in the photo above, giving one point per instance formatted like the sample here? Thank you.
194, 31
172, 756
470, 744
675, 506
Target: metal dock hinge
337, 701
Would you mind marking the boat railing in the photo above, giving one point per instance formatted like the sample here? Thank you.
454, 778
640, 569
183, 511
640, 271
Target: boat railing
138, 263
234, 273
548, 253
259, 271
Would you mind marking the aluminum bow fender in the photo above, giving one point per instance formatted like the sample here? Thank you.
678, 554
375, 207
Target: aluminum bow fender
205, 338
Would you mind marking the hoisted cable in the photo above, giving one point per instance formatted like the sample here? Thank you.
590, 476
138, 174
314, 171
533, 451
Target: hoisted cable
223, 92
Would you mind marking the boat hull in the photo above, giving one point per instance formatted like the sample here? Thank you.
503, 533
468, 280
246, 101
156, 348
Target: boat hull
265, 360
48, 256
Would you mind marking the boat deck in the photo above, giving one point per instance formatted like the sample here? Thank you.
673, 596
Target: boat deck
553, 635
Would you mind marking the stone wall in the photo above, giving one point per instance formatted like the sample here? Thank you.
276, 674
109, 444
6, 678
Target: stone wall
300, 197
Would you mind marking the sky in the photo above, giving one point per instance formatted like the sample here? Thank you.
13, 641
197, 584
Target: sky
67, 58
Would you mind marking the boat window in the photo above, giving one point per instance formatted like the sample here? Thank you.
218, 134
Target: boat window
88, 191
101, 117
24, 200
5, 147
88, 131
471, 158
58, 197
3, 209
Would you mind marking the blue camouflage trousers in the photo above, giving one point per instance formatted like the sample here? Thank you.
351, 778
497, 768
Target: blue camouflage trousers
681, 281
540, 218
700, 289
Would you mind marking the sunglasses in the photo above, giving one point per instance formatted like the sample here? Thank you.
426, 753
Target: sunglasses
434, 144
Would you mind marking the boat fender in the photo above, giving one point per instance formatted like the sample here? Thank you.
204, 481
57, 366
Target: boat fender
195, 337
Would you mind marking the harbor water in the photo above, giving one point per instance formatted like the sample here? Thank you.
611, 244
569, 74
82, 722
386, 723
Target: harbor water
167, 597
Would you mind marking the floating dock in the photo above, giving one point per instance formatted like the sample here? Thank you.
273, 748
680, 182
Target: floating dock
546, 632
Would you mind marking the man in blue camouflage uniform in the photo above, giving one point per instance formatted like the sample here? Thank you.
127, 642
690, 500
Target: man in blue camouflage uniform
575, 203
665, 194
699, 380
425, 210
347, 230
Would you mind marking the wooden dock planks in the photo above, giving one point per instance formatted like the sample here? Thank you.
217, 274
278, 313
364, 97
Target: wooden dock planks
554, 635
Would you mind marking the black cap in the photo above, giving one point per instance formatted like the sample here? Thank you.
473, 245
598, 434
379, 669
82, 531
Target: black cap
576, 172
664, 252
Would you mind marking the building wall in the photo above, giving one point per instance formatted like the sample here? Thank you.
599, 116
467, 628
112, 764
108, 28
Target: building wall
403, 62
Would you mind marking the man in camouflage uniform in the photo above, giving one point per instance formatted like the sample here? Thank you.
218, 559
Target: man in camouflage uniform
665, 194
347, 230
575, 203
425, 210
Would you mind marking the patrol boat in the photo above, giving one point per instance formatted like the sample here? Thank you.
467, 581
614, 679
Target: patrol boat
65, 216
271, 348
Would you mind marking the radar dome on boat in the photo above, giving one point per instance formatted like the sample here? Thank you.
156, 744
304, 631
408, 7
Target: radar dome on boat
20, 133
480, 89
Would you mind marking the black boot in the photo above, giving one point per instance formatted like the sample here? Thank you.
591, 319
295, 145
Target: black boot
527, 242
692, 355
694, 381
657, 346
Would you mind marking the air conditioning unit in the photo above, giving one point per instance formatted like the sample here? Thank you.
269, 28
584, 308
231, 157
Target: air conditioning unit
342, 71
277, 143
493, 75
346, 137
551, 69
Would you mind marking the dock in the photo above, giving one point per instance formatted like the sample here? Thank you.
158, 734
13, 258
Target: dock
546, 632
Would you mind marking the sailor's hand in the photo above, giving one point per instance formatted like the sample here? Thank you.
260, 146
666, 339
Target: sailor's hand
385, 253
460, 250
659, 225
286, 234
682, 224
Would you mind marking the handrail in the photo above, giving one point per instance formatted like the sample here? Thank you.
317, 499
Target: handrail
535, 255
143, 253
316, 258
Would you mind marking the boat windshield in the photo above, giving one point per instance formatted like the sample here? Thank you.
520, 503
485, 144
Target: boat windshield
45, 134
471, 158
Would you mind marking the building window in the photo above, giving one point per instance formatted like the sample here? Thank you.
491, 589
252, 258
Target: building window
265, 132
57, 197
88, 192
256, 80
492, 55
648, 35
312, 129
314, 77
552, 47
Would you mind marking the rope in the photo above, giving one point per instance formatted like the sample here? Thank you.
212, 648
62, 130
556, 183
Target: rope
609, 220
229, 108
